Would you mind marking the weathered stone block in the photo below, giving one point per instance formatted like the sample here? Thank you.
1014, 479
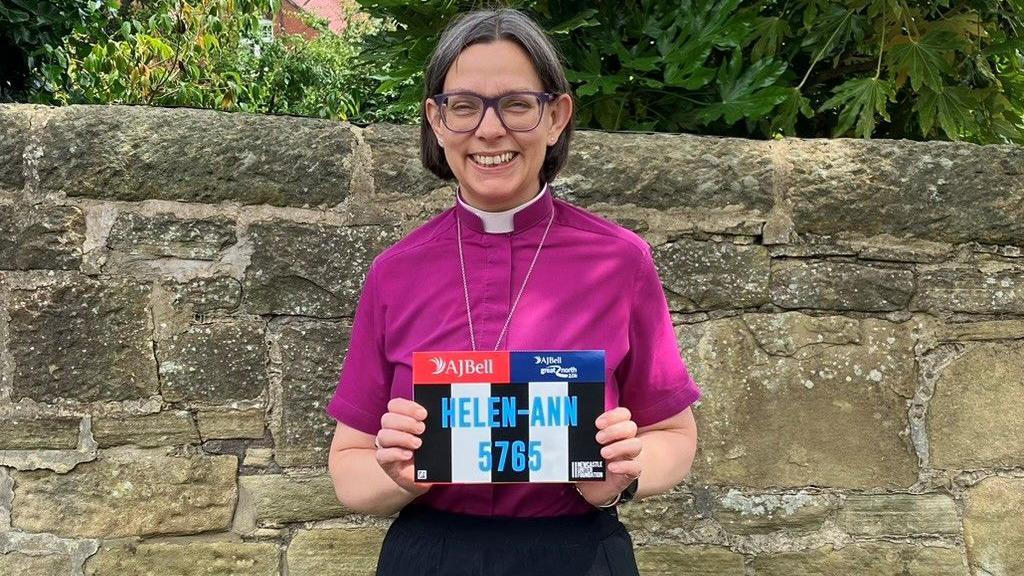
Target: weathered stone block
310, 270
311, 357
840, 286
899, 515
280, 498
83, 340
940, 191
19, 564
215, 362
207, 294
661, 517
340, 552
984, 330
258, 457
41, 238
882, 559
226, 424
983, 288
668, 170
186, 559
128, 492
741, 513
138, 153
395, 164
760, 370
161, 429
994, 527
167, 235
14, 129
39, 433
688, 560
974, 417
711, 275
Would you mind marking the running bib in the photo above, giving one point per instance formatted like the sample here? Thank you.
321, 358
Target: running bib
522, 416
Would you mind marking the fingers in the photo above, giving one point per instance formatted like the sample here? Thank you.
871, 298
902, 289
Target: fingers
613, 416
617, 431
630, 468
408, 408
386, 456
401, 422
389, 438
622, 450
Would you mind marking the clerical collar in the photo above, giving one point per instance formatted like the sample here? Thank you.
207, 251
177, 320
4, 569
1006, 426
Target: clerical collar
504, 221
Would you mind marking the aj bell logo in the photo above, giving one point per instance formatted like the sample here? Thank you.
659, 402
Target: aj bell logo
552, 365
462, 367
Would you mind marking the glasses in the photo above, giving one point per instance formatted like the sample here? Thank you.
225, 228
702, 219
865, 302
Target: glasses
517, 111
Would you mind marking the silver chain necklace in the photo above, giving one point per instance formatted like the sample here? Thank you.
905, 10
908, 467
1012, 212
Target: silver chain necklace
465, 285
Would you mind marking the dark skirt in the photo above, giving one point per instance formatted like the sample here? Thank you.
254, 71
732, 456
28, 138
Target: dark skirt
424, 541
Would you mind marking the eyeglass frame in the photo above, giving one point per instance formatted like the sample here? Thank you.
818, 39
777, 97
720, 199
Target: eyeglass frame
492, 102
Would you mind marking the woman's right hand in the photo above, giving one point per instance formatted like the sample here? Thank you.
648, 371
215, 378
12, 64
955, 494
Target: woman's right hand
399, 435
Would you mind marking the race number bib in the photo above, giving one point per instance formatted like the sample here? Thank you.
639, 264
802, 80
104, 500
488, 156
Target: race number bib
523, 416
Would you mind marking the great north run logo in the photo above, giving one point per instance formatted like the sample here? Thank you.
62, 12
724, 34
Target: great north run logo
461, 367
553, 366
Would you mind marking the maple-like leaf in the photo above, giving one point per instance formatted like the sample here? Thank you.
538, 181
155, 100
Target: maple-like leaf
746, 93
860, 99
925, 59
950, 107
784, 120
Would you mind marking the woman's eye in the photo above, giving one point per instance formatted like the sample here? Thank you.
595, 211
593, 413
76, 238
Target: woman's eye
518, 105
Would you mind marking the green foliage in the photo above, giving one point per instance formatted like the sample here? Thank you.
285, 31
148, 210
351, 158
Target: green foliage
938, 69
200, 53
29, 29
946, 69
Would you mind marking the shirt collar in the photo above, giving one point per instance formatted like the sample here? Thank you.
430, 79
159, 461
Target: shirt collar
512, 220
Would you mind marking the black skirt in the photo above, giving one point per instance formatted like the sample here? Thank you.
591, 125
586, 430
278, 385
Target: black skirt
424, 541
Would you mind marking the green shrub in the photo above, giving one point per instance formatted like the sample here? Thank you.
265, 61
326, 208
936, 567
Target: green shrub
892, 68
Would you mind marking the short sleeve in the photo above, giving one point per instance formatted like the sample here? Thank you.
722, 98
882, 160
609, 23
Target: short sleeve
364, 386
654, 382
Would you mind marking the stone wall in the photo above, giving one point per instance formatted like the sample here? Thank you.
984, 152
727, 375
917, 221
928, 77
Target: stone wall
177, 287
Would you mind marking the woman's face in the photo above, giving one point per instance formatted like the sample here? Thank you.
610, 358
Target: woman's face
492, 69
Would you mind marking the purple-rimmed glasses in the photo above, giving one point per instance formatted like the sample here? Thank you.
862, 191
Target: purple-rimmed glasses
517, 111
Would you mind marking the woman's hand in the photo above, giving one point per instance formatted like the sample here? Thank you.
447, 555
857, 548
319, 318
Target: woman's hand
617, 434
399, 434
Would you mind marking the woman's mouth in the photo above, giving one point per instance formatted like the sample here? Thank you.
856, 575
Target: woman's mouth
493, 160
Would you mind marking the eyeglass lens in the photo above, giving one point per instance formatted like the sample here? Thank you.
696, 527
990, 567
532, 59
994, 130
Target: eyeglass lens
520, 112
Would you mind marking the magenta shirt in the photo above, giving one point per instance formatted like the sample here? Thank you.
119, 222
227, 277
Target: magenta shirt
594, 286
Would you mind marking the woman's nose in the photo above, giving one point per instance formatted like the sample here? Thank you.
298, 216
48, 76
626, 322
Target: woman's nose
490, 124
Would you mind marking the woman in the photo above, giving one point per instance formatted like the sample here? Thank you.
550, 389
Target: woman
508, 267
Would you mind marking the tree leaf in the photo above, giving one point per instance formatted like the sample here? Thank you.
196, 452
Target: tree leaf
785, 117
768, 34
925, 59
746, 93
950, 107
860, 99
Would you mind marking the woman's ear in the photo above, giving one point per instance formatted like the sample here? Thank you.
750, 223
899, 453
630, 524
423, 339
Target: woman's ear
560, 110
433, 114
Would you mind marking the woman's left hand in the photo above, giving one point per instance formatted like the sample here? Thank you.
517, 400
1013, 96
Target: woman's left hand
620, 447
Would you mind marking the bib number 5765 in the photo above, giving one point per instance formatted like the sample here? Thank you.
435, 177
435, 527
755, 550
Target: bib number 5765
504, 453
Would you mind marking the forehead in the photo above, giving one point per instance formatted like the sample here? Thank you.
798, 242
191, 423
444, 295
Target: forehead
492, 68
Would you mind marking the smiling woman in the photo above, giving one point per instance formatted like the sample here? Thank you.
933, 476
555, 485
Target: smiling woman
508, 263
495, 119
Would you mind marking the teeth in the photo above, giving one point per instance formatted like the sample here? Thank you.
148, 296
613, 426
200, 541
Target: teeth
494, 160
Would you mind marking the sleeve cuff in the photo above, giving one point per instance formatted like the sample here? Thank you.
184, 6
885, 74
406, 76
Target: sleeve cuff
667, 407
353, 416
